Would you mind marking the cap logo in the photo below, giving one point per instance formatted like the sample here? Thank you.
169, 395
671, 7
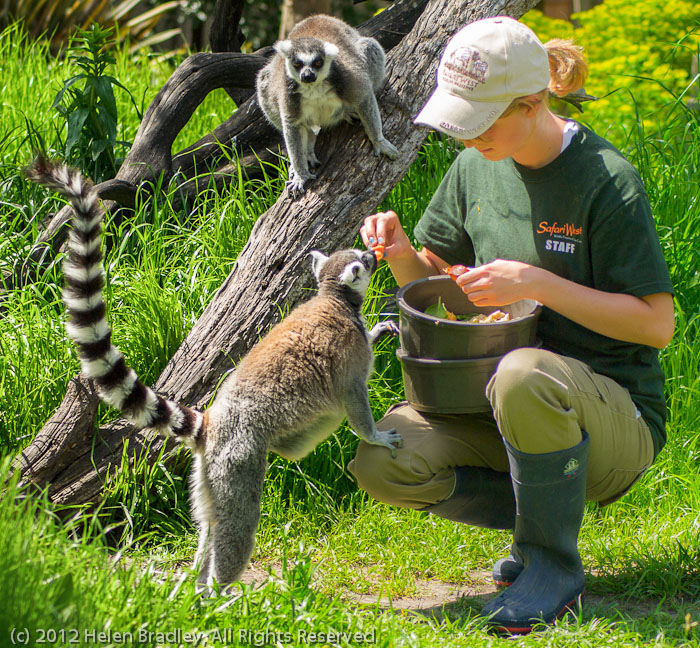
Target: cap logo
465, 68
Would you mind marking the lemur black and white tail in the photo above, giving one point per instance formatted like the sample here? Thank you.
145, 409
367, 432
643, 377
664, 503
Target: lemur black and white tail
87, 325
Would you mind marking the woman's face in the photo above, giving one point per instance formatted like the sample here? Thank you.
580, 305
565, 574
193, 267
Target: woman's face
510, 136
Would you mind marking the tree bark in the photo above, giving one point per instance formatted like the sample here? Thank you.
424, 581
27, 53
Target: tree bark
225, 34
272, 270
63, 439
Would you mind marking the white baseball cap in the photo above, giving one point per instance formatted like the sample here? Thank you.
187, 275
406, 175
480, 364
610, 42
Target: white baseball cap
484, 67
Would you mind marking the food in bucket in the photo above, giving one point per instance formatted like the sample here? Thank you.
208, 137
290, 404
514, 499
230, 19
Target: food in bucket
439, 310
496, 316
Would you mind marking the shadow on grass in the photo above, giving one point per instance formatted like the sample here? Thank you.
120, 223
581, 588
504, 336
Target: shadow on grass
622, 601
633, 602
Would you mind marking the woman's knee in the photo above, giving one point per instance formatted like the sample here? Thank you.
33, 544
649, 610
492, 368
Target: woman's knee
399, 480
422, 472
522, 373
372, 468
531, 402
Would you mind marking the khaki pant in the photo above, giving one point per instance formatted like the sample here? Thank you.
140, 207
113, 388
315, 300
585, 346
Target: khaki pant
541, 401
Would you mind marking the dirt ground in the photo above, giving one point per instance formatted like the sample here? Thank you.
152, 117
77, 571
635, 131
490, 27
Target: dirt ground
432, 596
435, 598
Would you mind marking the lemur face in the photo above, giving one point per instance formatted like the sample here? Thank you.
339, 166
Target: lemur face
307, 60
357, 273
351, 268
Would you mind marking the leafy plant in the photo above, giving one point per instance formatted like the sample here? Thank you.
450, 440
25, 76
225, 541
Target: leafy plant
88, 105
639, 55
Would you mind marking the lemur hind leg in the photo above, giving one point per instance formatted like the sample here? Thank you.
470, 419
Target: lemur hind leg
200, 496
368, 110
310, 135
236, 489
375, 61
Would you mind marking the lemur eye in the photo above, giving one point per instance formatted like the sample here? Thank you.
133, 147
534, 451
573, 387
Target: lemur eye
297, 64
318, 63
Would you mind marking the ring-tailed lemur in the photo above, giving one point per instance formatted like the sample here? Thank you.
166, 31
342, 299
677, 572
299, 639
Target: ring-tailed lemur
324, 73
289, 392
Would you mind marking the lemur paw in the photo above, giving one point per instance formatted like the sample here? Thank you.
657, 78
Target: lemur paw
385, 147
388, 438
314, 162
296, 182
295, 187
380, 330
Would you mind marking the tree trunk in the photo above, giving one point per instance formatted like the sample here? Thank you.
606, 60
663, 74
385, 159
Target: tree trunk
272, 269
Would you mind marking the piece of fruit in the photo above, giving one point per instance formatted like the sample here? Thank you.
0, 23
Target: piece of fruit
378, 249
454, 271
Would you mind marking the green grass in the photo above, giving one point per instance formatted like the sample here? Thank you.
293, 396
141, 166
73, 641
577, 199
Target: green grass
322, 544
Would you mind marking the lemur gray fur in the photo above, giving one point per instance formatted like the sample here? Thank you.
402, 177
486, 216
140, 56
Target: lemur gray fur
290, 392
322, 74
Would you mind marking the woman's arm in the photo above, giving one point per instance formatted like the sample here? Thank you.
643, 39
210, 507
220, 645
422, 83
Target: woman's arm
645, 320
418, 265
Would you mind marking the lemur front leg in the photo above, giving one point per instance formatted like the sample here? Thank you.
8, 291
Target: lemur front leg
296, 140
368, 112
361, 421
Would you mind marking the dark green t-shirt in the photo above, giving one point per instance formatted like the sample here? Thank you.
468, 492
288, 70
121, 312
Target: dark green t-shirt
586, 217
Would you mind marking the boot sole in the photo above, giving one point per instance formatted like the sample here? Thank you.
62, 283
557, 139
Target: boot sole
527, 629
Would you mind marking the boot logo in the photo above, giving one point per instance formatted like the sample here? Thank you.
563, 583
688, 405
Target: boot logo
571, 467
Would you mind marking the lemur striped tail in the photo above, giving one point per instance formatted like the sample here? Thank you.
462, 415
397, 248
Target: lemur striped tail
87, 326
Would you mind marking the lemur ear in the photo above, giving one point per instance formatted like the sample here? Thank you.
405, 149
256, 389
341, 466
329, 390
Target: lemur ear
330, 50
284, 48
318, 260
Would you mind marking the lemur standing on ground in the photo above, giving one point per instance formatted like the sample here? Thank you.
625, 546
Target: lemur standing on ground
290, 392
324, 73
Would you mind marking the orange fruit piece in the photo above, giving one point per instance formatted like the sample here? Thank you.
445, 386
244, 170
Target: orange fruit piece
378, 249
454, 271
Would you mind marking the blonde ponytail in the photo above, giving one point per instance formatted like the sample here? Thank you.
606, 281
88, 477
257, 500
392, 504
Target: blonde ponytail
568, 67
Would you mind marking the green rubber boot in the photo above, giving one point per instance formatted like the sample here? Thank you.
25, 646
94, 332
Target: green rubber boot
550, 491
481, 497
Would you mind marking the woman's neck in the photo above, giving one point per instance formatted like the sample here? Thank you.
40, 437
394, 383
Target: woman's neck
544, 143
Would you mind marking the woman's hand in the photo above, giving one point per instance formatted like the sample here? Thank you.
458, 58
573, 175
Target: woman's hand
498, 283
385, 228
405, 262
